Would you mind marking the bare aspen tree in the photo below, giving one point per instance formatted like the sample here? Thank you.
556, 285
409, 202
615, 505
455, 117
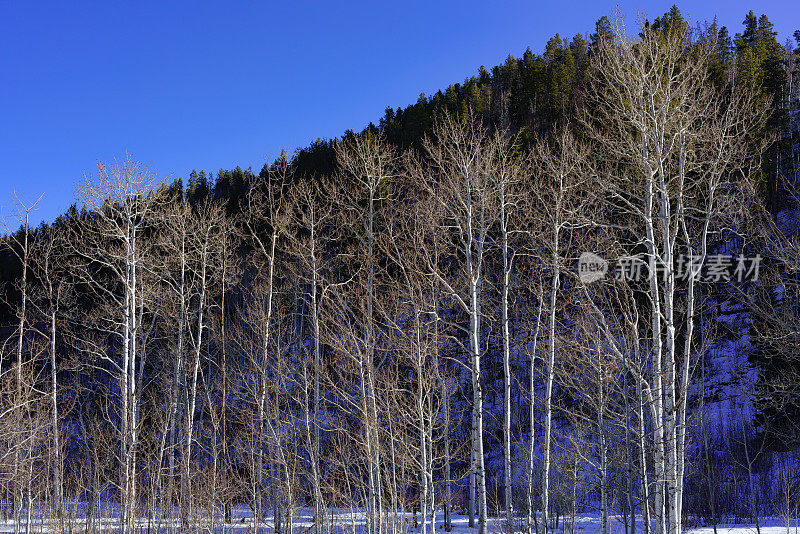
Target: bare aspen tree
508, 172
533, 285
367, 166
671, 144
312, 218
591, 375
279, 433
266, 223
20, 246
560, 192
24, 422
228, 246
53, 275
413, 244
458, 173
531, 519
203, 260
446, 387
612, 307
349, 385
177, 225
415, 318
116, 266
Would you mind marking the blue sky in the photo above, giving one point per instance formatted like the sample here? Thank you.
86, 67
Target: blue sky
203, 85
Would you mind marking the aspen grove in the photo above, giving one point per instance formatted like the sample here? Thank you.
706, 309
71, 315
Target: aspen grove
410, 336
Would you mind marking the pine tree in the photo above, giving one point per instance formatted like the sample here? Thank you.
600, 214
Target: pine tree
722, 60
672, 20
602, 31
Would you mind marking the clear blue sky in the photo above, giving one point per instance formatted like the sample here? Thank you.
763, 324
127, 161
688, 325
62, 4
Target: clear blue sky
190, 85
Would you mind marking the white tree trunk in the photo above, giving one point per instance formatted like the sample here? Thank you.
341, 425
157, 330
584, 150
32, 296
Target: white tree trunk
532, 519
18, 487
57, 484
507, 481
549, 378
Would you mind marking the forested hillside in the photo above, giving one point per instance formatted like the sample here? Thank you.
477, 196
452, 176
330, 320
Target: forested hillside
567, 284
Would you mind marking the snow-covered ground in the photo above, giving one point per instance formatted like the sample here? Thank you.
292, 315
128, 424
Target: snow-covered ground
770, 526
345, 521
